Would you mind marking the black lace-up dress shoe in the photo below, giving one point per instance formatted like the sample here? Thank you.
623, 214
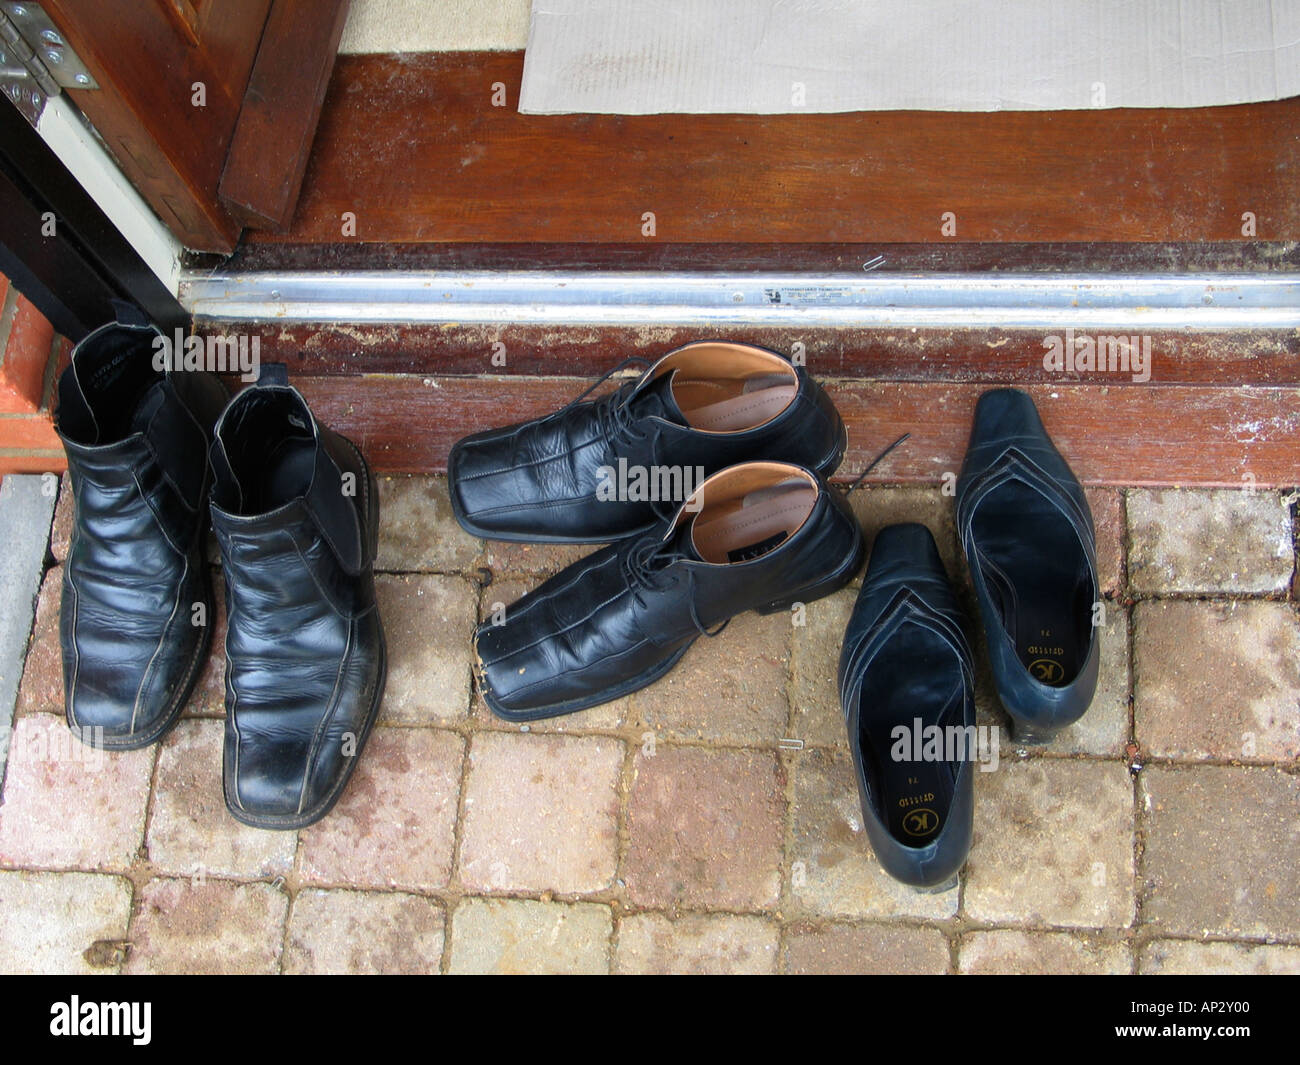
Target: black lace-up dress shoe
908, 692
296, 514
1028, 535
616, 466
134, 626
757, 536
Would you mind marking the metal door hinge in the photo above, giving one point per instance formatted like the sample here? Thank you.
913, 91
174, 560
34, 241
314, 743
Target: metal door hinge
36, 62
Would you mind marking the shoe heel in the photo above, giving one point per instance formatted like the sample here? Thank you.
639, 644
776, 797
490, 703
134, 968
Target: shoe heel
938, 889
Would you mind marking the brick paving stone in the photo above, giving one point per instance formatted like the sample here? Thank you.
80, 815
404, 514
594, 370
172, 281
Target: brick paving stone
831, 868
69, 805
871, 949
209, 696
1053, 845
818, 719
1223, 540
494, 604
704, 828
71, 923
428, 622
1040, 954
533, 559
1180, 956
41, 690
418, 531
1218, 680
61, 531
522, 936
363, 932
879, 505
696, 943
394, 825
1104, 728
213, 926
1222, 851
731, 689
541, 813
1107, 506
190, 831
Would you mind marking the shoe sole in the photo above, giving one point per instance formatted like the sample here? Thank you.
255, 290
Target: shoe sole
809, 593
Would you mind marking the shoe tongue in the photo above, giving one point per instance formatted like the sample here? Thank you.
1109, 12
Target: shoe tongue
657, 400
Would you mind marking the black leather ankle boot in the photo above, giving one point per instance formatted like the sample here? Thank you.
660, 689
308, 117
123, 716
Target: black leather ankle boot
135, 621
296, 512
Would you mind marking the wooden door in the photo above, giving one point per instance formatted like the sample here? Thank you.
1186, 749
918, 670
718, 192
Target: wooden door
184, 81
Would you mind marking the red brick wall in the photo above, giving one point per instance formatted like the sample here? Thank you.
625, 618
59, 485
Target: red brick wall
30, 355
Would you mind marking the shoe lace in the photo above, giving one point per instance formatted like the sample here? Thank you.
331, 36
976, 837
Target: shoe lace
873, 464
617, 420
649, 556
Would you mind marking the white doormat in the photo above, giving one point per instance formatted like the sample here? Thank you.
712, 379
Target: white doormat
786, 56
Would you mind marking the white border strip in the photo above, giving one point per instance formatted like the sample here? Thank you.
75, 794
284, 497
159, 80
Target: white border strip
79, 150
1126, 301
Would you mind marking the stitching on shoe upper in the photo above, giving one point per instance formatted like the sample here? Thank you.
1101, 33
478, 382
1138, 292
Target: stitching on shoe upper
560, 632
586, 665
76, 611
162, 639
567, 453
516, 613
328, 716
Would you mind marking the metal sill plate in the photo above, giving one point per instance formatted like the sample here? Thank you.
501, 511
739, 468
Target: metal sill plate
1131, 302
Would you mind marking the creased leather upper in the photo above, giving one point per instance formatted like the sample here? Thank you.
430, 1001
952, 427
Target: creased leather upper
1009, 443
304, 644
539, 479
136, 606
905, 584
589, 632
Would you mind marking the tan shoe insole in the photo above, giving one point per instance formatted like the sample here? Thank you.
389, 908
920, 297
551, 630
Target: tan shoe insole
749, 528
729, 406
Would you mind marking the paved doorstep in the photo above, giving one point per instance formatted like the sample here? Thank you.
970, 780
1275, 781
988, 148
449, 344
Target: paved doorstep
1053, 845
1221, 851
522, 936
394, 827
541, 814
364, 932
68, 805
207, 926
1235, 664
62, 922
696, 943
664, 832
704, 828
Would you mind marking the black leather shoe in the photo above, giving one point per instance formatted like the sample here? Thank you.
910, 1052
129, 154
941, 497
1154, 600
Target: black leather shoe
758, 536
1027, 532
296, 513
618, 465
908, 691
136, 439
